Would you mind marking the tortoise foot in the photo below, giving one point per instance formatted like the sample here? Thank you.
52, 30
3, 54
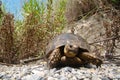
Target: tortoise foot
72, 62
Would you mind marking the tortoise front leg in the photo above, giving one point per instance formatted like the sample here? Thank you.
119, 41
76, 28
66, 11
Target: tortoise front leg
54, 58
90, 58
72, 62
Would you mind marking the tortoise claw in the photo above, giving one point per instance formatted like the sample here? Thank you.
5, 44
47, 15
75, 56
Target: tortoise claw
98, 63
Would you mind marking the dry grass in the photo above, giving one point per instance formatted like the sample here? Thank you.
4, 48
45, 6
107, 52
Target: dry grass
7, 41
79, 9
30, 37
112, 30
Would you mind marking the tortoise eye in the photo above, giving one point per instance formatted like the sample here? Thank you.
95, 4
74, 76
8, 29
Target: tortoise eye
70, 46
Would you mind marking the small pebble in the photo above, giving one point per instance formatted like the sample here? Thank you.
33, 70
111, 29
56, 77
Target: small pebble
40, 72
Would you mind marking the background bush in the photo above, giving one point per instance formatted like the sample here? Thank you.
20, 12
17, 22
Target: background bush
42, 21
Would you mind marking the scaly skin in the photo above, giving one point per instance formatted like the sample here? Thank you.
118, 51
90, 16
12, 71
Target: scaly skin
71, 50
89, 58
72, 62
54, 58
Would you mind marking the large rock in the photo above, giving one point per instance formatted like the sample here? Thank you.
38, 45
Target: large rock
93, 29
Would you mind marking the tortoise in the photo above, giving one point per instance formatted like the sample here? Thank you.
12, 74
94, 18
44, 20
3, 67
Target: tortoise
68, 49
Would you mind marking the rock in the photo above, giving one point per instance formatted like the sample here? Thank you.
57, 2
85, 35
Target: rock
26, 77
86, 79
64, 78
36, 77
56, 75
51, 78
73, 78
67, 69
118, 76
33, 77
105, 78
52, 70
95, 77
1, 76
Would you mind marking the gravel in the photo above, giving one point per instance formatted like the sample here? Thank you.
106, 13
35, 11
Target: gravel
39, 71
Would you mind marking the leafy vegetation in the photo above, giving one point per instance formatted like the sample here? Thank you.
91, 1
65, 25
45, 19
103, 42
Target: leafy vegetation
41, 22
115, 1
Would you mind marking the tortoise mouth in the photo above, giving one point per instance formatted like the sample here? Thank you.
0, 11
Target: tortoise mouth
70, 54
71, 50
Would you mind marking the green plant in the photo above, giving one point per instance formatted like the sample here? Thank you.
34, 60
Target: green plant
60, 16
115, 1
32, 33
41, 22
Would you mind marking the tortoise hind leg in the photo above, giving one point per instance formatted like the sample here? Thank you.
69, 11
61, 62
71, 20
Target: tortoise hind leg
89, 58
54, 58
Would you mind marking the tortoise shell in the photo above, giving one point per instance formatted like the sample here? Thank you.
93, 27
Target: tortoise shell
67, 38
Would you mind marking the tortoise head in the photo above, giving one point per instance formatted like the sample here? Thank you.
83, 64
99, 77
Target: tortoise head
71, 50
